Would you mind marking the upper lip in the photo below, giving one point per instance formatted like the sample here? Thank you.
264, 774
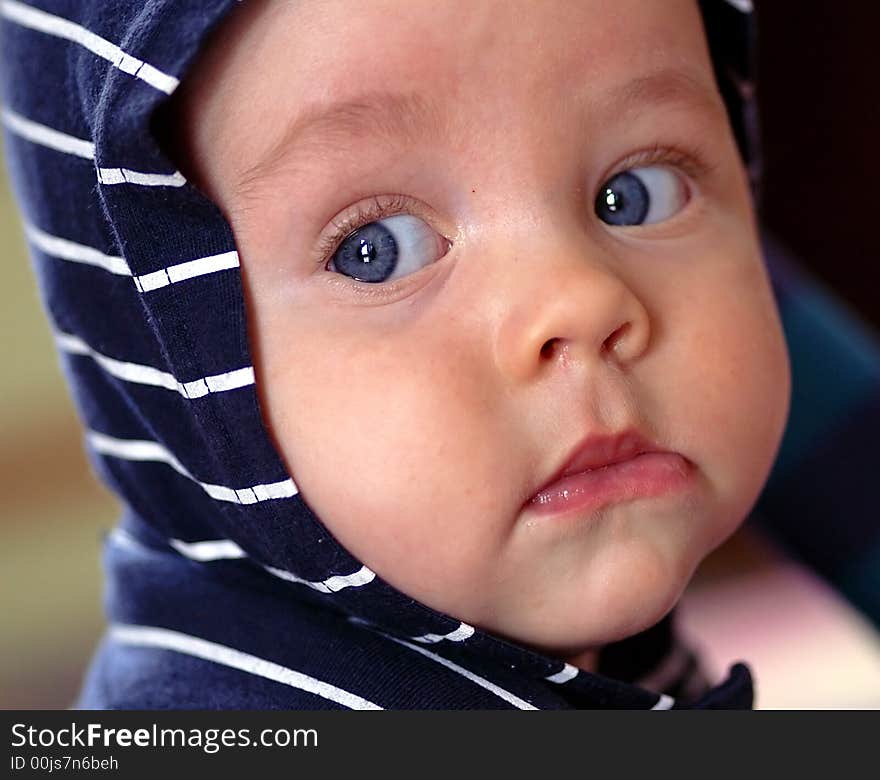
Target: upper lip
598, 450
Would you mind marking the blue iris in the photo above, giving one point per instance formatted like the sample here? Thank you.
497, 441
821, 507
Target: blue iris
624, 200
368, 255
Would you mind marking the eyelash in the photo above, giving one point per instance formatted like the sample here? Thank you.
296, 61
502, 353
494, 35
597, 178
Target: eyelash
691, 162
380, 208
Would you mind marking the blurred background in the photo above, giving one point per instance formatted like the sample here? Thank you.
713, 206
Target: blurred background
50, 578
754, 599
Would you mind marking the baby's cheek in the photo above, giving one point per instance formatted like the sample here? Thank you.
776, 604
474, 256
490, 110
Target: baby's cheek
388, 455
737, 383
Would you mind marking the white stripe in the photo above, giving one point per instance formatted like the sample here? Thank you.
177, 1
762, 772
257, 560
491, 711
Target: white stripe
745, 6
507, 696
156, 78
187, 270
46, 136
128, 176
459, 635
152, 281
63, 249
568, 672
134, 449
224, 549
664, 702
147, 375
202, 266
62, 142
63, 28
129, 372
283, 489
331, 585
230, 380
145, 450
165, 639
213, 550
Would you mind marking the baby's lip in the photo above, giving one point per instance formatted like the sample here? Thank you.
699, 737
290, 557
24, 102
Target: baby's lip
600, 449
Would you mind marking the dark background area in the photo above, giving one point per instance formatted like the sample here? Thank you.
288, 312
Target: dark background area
819, 98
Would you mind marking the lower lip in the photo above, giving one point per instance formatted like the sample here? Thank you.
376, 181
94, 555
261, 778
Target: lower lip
646, 475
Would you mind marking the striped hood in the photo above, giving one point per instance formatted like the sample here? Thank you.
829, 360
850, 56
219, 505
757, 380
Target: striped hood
223, 588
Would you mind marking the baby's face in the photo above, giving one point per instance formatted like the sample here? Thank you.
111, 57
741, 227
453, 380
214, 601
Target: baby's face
506, 296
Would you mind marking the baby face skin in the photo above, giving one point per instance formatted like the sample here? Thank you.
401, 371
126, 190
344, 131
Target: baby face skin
419, 408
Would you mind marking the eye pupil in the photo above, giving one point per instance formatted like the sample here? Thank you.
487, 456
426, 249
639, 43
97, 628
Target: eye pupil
369, 254
624, 200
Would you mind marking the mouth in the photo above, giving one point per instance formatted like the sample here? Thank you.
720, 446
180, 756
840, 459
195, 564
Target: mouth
604, 469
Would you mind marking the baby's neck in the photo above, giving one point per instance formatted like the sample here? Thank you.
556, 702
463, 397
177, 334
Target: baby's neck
588, 660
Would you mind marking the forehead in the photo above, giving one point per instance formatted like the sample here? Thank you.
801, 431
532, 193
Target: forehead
444, 65
443, 45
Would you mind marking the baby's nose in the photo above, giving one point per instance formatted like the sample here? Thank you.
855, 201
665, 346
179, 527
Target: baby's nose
570, 302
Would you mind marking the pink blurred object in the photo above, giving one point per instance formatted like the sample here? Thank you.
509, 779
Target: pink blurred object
806, 646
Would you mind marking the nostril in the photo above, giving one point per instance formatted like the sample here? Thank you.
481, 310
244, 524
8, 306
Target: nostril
611, 343
549, 348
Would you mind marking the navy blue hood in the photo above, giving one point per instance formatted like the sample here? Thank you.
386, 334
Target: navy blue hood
224, 589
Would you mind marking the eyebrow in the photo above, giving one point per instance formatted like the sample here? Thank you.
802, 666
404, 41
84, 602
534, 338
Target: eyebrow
407, 118
377, 115
669, 86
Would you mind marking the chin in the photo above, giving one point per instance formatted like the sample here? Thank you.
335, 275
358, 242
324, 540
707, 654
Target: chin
570, 633
609, 611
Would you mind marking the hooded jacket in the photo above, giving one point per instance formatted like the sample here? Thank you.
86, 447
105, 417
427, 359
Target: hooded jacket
223, 589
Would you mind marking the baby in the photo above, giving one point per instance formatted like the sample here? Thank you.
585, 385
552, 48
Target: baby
479, 240
512, 335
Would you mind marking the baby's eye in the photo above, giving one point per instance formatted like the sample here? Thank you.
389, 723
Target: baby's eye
641, 195
388, 248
